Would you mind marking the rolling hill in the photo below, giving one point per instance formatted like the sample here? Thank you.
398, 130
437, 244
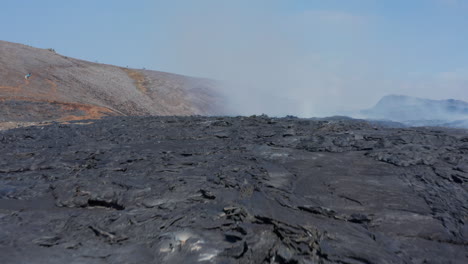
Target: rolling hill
62, 89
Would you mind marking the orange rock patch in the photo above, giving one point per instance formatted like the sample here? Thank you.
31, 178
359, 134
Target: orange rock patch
91, 111
139, 79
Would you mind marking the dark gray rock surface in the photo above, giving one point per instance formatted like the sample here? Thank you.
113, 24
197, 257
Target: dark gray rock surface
232, 190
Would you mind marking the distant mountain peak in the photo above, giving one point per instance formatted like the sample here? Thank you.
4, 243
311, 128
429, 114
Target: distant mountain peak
415, 110
398, 98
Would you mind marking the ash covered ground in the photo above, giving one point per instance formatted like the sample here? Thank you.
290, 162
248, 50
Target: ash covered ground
232, 190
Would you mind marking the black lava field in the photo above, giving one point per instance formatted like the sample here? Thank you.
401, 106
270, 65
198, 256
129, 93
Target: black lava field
233, 190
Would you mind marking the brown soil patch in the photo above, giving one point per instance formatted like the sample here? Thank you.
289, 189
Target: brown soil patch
15, 88
67, 111
91, 111
139, 79
9, 89
49, 95
53, 87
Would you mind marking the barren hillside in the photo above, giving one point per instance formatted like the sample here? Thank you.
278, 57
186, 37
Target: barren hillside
62, 88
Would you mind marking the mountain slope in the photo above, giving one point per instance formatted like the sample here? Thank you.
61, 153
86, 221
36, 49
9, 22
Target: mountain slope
62, 88
420, 112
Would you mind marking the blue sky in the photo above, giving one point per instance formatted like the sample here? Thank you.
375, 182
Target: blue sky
353, 51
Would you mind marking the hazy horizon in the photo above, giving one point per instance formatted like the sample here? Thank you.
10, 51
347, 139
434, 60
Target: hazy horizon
304, 58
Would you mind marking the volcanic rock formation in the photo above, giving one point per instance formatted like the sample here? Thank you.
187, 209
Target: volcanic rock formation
62, 88
232, 190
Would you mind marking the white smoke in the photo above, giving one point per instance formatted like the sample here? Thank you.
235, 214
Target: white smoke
308, 63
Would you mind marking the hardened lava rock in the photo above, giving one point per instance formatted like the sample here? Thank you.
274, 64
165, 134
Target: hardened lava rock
233, 190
